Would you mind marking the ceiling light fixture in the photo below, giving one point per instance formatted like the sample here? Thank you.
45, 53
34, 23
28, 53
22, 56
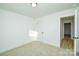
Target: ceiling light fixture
34, 4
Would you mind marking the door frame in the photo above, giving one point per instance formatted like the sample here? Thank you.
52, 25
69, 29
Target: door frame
62, 26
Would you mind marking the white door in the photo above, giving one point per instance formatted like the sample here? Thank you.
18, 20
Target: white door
77, 30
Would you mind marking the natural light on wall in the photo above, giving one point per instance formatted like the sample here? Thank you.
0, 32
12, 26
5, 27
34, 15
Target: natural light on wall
33, 34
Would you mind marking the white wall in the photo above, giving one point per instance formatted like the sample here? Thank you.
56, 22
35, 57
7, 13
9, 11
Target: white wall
48, 27
14, 30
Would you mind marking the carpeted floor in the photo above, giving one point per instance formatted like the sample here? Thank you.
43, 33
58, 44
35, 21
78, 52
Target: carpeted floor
37, 48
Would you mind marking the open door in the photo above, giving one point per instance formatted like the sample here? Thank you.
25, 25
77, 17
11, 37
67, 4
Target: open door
77, 31
67, 32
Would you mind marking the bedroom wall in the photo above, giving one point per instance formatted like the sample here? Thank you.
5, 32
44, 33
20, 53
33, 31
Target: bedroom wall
14, 30
48, 27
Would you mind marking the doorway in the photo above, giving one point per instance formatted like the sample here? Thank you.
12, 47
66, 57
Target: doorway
67, 32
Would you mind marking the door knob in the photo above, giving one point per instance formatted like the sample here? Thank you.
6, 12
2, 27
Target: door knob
75, 37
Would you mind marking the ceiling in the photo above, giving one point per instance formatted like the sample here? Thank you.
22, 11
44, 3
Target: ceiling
42, 9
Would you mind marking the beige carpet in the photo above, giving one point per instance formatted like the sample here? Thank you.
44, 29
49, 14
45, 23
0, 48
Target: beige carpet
37, 48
